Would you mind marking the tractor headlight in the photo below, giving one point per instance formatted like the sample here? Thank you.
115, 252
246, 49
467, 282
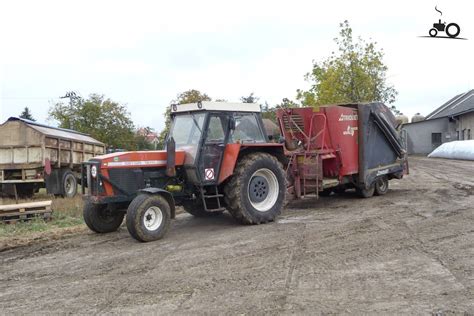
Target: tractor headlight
94, 171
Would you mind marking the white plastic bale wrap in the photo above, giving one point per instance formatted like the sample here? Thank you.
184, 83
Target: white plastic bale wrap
460, 149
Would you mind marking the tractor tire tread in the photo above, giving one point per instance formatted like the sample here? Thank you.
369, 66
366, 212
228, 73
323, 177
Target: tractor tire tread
232, 190
134, 223
98, 225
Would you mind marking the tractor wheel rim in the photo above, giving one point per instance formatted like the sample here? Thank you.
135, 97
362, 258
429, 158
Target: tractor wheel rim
263, 190
382, 185
153, 218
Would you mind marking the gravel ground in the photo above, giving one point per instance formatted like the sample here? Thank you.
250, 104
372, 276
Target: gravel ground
410, 251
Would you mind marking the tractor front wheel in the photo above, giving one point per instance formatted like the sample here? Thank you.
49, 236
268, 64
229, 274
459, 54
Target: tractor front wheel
100, 219
256, 192
148, 217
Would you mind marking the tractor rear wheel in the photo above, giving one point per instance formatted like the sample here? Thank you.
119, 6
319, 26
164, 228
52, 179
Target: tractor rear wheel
100, 219
256, 192
195, 208
381, 186
148, 217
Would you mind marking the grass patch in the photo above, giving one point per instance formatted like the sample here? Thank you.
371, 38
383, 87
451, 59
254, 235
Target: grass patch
66, 213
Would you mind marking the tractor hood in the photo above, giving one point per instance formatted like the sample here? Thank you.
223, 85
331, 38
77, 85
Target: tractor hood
138, 159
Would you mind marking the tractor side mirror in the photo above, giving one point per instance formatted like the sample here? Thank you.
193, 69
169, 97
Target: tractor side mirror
231, 123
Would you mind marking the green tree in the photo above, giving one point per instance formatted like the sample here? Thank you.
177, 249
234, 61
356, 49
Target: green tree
141, 140
26, 114
355, 74
270, 112
103, 119
189, 96
251, 98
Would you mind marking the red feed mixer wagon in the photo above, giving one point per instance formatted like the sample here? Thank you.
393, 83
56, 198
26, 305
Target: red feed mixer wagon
218, 157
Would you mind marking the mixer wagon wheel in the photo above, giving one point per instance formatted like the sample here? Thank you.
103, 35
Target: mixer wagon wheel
100, 219
366, 193
148, 217
195, 208
256, 192
381, 186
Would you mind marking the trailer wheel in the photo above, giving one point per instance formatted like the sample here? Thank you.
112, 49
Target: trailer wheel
148, 217
381, 186
196, 209
366, 193
69, 185
256, 192
100, 219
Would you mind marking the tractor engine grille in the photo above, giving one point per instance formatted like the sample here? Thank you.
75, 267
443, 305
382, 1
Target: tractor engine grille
129, 180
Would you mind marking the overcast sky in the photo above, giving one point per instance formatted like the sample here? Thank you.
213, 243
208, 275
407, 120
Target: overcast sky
143, 53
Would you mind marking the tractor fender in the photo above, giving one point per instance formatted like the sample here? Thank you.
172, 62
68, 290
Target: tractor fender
167, 195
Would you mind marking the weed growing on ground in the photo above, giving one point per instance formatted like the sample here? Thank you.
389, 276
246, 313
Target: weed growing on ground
66, 213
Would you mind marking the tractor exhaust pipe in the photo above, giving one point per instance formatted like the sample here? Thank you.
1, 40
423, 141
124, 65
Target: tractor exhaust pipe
170, 157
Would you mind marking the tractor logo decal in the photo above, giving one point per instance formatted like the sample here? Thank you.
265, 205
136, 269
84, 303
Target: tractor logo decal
209, 173
452, 30
136, 163
348, 117
350, 130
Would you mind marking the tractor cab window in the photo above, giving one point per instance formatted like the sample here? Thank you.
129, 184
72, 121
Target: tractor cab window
215, 130
186, 131
247, 129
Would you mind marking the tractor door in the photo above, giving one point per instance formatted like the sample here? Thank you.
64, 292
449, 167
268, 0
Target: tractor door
212, 150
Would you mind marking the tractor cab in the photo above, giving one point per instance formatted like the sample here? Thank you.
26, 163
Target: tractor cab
204, 129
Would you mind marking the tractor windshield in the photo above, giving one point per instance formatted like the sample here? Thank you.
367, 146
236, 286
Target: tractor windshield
186, 131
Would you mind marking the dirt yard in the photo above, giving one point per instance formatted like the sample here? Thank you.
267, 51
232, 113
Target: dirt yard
410, 251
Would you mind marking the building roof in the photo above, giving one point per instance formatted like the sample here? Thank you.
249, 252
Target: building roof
57, 132
461, 103
216, 106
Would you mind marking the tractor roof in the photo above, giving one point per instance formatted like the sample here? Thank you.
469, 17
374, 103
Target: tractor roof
216, 106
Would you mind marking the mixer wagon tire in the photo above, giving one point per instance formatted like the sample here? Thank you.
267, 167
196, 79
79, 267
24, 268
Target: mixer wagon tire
256, 192
68, 185
366, 193
381, 186
100, 219
195, 208
148, 217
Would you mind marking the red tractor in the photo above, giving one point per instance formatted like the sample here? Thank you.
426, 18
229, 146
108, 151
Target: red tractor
218, 157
